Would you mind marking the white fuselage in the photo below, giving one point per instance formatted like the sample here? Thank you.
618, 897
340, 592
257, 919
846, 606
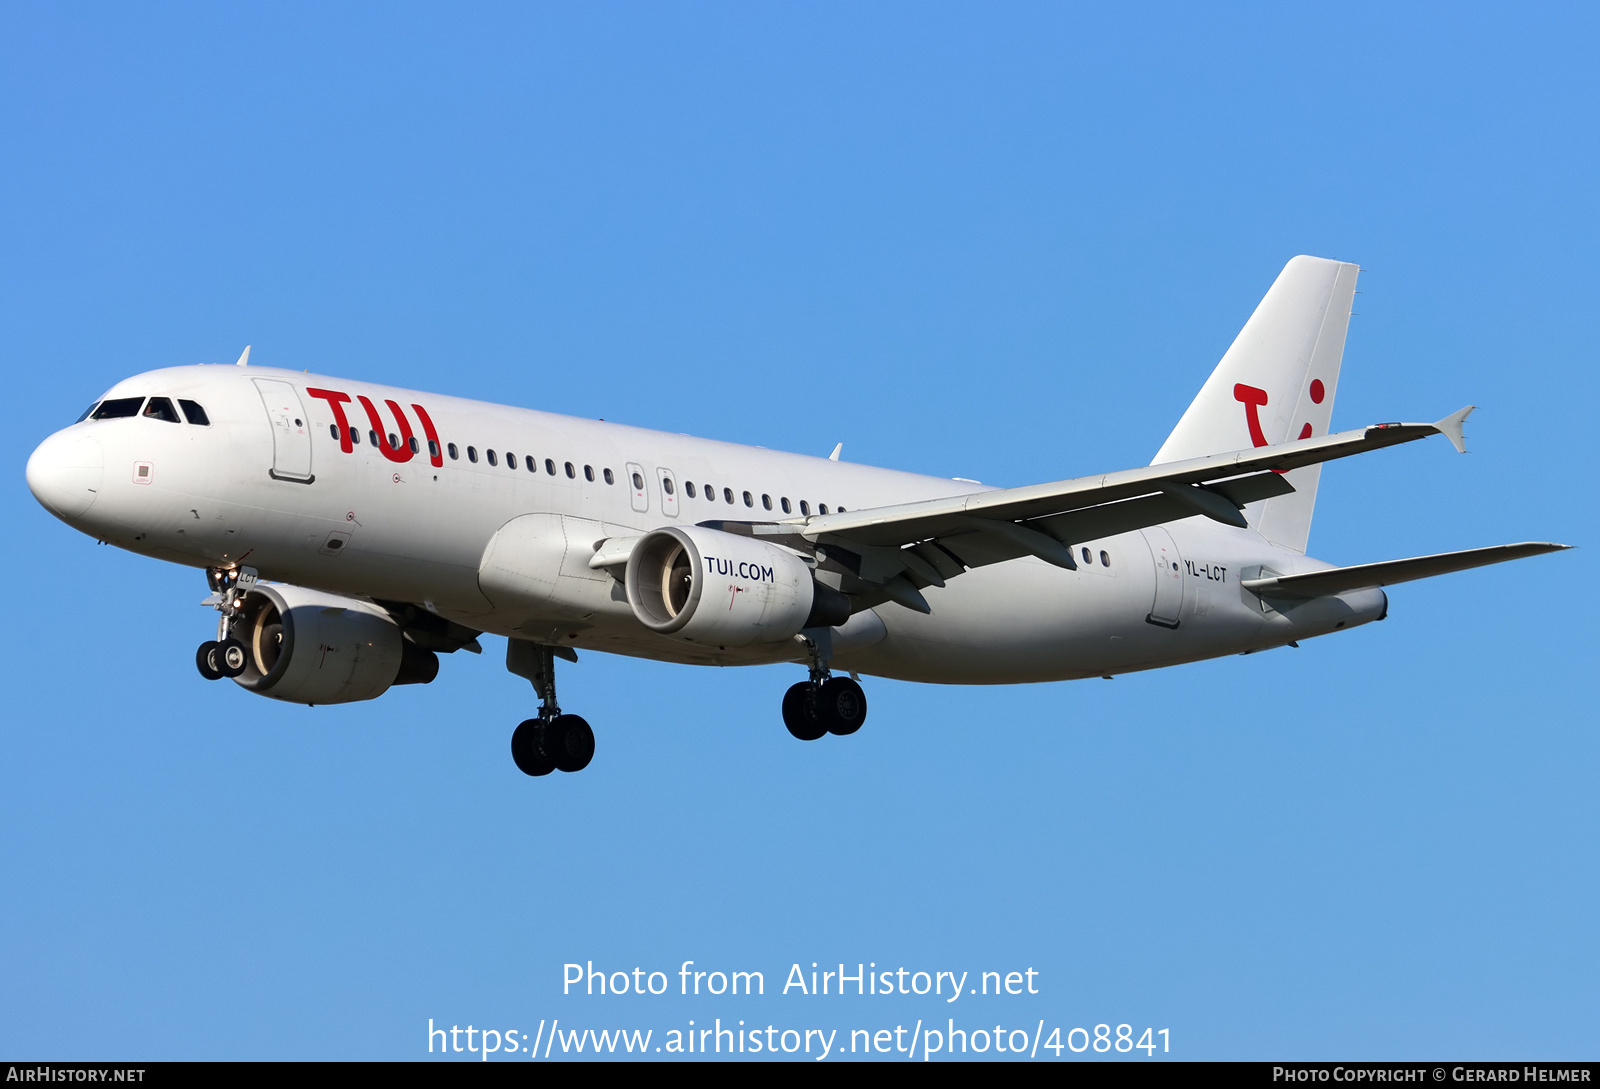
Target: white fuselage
275, 482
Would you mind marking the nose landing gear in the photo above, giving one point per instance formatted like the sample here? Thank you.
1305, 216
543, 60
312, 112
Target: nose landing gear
553, 741
225, 656
205, 660
217, 660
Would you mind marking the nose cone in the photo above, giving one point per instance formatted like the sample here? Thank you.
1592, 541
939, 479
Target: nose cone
64, 473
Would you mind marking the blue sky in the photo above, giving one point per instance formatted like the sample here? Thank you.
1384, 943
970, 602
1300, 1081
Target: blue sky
1001, 243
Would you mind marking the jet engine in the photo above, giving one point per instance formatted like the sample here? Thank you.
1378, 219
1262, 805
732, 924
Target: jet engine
304, 646
706, 586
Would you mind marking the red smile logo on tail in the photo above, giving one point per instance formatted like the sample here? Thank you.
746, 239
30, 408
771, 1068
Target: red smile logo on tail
1252, 399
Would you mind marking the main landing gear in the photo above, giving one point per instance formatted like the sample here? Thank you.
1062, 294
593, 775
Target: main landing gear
553, 741
225, 656
825, 704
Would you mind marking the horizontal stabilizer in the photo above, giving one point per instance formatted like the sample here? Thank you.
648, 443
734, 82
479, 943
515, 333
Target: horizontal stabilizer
1362, 576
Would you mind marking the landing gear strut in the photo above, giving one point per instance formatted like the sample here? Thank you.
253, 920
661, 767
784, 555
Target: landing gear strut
825, 704
553, 741
225, 656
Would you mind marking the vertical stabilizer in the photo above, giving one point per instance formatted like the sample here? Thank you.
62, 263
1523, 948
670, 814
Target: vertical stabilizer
1274, 384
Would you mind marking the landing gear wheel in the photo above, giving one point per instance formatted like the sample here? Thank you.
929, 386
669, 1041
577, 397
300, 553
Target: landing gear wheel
800, 712
527, 749
206, 660
841, 706
231, 657
569, 742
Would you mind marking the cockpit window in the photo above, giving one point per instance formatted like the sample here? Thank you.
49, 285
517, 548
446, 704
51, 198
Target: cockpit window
160, 408
118, 407
194, 413
86, 412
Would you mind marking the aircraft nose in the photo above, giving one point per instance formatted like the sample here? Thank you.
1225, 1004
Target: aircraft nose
64, 473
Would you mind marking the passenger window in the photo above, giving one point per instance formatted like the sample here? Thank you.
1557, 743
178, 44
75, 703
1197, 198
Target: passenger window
333, 432
766, 501
1087, 558
529, 464
711, 494
666, 484
572, 474
394, 441
511, 460
1105, 559
86, 412
472, 454
549, 467
492, 461
588, 473
412, 442
784, 503
194, 413
433, 448
609, 478
688, 486
454, 454
638, 482
822, 508
748, 501
727, 495
118, 407
372, 437
355, 437
805, 508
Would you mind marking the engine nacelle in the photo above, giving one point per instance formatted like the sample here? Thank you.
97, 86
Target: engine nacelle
706, 586
305, 646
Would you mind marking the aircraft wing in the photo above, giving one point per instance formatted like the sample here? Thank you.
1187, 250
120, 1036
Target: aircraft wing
903, 547
1361, 576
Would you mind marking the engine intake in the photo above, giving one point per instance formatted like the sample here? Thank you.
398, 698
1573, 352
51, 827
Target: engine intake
706, 586
305, 646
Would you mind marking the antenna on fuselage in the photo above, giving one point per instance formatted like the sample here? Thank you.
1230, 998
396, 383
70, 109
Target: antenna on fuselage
244, 357
837, 450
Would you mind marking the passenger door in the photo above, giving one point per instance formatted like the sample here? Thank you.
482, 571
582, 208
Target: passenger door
291, 435
1167, 606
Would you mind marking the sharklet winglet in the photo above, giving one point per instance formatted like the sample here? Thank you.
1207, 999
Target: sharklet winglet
1450, 428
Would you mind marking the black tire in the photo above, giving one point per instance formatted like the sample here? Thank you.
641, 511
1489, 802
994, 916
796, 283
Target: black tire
205, 660
800, 714
527, 749
232, 658
842, 706
569, 742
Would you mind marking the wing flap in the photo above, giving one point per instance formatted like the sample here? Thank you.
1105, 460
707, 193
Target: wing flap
1339, 579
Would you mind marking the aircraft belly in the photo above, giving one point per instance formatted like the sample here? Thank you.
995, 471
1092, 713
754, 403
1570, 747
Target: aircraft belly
1026, 621
1003, 624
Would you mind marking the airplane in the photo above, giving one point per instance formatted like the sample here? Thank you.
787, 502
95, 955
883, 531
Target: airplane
351, 533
